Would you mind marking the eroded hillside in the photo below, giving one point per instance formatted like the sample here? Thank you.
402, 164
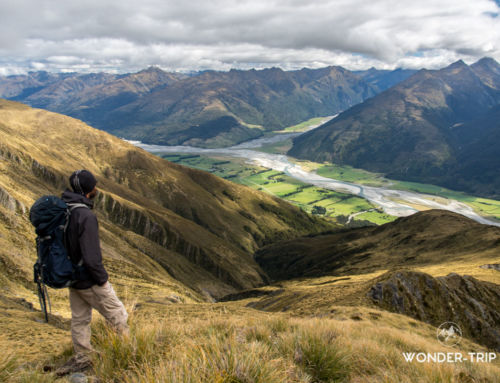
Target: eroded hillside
157, 218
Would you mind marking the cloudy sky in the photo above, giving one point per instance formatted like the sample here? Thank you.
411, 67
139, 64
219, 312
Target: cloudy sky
129, 35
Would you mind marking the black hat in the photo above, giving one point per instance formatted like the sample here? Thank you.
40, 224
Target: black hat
82, 181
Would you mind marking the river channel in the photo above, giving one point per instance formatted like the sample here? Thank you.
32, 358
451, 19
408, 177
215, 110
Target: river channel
394, 202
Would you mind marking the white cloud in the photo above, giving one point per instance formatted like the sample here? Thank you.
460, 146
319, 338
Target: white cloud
128, 35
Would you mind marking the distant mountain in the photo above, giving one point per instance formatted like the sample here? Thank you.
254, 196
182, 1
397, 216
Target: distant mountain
78, 94
163, 226
439, 127
208, 109
385, 79
60, 85
254, 100
418, 240
21, 86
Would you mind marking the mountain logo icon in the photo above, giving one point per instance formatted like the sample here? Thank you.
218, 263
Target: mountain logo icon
449, 334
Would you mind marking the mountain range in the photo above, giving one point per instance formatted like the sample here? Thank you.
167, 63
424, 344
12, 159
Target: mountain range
437, 126
210, 109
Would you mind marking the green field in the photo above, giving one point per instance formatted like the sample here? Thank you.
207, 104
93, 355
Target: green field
304, 125
349, 174
337, 206
483, 206
277, 148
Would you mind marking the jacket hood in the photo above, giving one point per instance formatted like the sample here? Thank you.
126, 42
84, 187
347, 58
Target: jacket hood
70, 197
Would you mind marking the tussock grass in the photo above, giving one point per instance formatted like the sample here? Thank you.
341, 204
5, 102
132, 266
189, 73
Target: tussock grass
225, 346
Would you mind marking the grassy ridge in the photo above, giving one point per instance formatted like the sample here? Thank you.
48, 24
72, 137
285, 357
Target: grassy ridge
165, 229
424, 238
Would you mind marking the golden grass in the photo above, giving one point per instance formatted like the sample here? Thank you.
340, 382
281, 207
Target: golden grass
228, 343
463, 266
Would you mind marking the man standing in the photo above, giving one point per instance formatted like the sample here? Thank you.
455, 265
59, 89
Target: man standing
92, 290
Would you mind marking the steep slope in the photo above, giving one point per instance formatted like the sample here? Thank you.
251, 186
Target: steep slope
410, 131
425, 238
210, 109
58, 93
160, 222
477, 159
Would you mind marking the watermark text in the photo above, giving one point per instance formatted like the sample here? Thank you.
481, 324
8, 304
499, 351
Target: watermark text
450, 357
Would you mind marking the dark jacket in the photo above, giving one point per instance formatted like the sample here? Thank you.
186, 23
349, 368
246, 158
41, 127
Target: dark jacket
82, 236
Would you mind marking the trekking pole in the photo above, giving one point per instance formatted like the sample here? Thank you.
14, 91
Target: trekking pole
46, 294
43, 294
42, 297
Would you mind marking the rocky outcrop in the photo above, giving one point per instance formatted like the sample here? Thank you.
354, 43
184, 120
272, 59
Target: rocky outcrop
48, 176
10, 203
472, 304
6, 200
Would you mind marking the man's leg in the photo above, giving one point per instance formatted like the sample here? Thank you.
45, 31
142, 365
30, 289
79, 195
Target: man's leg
81, 315
111, 308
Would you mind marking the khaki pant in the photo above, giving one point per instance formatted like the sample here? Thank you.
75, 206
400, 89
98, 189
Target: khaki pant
103, 299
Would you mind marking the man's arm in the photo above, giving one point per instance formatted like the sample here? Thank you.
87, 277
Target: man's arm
91, 249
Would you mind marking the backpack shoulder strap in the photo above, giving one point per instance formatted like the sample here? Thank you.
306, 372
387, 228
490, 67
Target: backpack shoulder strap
73, 206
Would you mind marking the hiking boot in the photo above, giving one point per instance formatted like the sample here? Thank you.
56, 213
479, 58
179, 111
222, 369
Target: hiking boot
77, 363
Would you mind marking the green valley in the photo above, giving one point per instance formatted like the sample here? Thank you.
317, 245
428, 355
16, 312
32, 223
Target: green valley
303, 126
338, 207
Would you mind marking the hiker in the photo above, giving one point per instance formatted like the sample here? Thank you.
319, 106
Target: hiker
94, 291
